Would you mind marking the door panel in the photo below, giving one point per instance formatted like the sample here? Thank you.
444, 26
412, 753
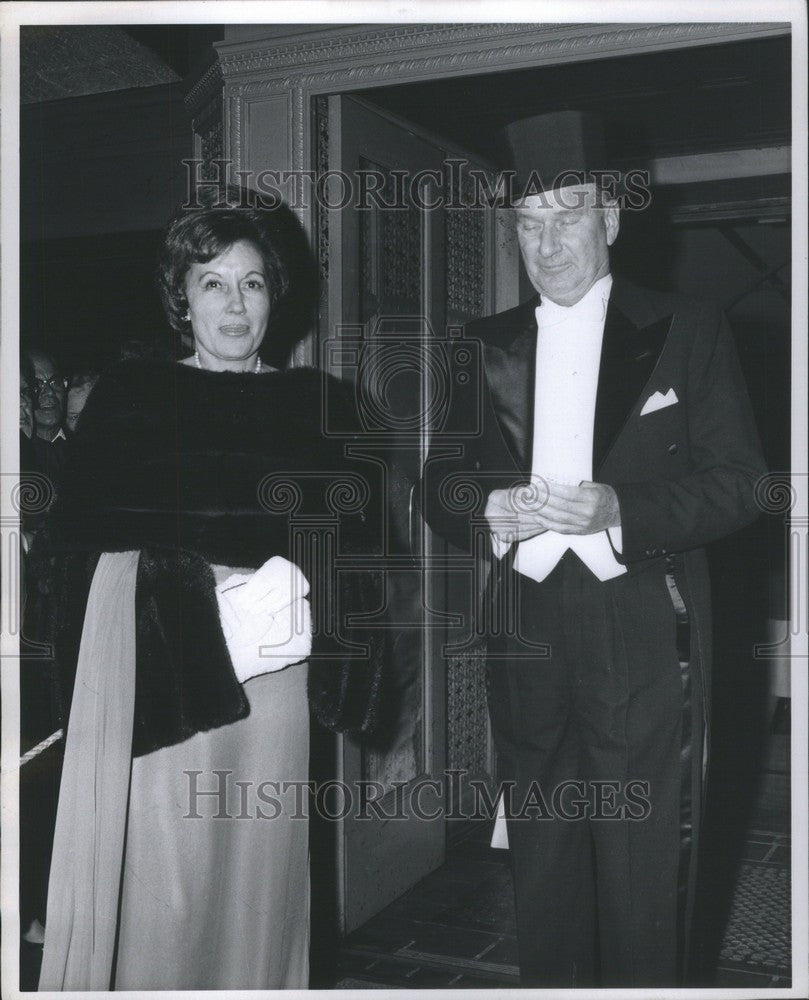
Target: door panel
386, 293
397, 272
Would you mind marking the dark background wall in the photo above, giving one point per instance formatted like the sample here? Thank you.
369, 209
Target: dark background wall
100, 177
103, 131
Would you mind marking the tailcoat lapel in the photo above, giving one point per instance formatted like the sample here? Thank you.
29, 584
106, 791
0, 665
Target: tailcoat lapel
509, 366
634, 336
632, 344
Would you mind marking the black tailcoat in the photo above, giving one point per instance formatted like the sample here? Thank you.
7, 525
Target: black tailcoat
685, 475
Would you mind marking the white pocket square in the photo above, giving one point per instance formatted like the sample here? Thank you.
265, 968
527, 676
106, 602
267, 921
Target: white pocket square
658, 400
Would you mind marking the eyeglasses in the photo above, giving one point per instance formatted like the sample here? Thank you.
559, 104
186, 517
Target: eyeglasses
54, 383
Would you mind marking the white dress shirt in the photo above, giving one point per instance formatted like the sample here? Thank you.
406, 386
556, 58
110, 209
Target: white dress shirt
568, 358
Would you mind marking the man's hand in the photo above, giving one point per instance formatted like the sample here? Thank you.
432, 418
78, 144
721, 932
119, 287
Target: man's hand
580, 510
510, 519
523, 512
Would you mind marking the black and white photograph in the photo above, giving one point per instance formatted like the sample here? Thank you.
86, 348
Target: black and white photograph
404, 540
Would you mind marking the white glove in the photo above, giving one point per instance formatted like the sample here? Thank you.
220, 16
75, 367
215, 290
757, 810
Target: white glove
266, 618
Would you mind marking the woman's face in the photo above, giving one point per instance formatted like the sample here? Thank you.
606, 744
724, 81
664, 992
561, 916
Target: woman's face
77, 396
229, 307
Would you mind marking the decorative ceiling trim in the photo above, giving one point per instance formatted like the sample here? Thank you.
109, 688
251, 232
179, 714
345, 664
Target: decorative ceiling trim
249, 57
357, 55
208, 85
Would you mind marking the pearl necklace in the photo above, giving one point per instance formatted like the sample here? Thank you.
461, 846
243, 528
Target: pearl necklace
257, 369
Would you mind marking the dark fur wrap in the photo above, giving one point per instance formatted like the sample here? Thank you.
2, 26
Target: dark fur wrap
194, 468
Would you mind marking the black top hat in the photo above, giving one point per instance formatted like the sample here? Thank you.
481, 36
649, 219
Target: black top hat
554, 150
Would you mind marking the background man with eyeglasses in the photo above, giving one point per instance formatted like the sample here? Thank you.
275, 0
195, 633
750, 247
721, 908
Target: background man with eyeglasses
50, 394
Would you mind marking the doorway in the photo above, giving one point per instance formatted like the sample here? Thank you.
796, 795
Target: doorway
718, 227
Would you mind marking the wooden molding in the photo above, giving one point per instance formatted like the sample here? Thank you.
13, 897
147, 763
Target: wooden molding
414, 51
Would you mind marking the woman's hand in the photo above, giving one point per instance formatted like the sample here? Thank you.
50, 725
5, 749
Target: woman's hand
266, 618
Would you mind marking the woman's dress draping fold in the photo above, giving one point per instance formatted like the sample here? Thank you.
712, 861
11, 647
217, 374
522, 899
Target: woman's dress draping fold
91, 818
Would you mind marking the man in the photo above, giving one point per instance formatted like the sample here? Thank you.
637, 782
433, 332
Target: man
50, 388
613, 439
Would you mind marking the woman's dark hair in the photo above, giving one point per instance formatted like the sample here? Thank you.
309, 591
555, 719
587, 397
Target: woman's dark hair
198, 235
83, 377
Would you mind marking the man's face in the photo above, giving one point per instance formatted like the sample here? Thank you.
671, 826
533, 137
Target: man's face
564, 240
51, 392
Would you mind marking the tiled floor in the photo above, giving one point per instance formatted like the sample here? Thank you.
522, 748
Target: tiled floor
456, 928
756, 941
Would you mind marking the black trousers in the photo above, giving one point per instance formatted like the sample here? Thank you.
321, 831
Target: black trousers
602, 738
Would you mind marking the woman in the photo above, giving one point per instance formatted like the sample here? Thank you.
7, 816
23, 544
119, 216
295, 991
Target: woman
184, 573
78, 391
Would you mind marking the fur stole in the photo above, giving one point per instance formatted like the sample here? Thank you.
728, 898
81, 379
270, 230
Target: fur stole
193, 468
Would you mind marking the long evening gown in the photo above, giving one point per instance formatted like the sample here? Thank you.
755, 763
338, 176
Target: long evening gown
215, 890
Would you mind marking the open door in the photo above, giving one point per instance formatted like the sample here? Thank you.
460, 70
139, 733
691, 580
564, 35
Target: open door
391, 289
